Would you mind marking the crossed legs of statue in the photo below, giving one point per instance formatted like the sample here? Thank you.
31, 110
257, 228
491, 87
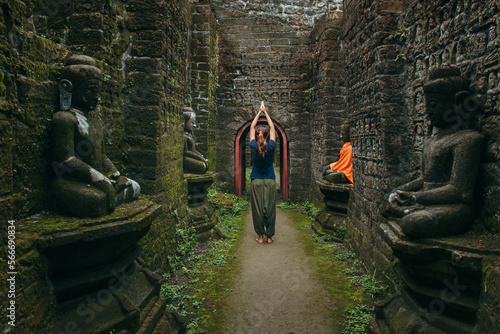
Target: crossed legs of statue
336, 177
84, 200
437, 220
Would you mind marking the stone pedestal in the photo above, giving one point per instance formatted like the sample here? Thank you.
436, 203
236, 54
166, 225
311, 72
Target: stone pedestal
201, 212
443, 282
92, 270
331, 220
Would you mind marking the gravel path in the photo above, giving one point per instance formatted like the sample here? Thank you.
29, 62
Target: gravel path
276, 291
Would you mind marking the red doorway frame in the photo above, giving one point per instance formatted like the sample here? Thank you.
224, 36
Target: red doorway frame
239, 152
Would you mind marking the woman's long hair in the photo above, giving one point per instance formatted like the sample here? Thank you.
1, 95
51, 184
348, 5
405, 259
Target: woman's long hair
262, 134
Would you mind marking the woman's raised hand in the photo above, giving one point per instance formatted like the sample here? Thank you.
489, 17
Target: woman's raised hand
262, 107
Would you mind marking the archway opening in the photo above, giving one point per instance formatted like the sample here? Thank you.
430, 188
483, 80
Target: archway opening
240, 150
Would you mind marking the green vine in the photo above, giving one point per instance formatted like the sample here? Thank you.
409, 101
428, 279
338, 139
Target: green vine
401, 52
309, 97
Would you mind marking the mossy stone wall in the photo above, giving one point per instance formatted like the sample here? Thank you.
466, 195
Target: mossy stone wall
389, 48
326, 97
142, 48
205, 78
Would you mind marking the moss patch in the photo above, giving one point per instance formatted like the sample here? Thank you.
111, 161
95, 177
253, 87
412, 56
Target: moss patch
340, 272
197, 288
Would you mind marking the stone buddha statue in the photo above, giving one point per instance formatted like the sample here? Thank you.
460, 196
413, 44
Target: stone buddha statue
193, 162
439, 202
86, 183
341, 171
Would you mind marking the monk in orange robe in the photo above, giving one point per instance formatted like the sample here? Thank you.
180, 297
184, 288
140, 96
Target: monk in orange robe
341, 171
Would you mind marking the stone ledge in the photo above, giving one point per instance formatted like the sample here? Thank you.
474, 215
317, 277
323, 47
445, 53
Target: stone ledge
472, 242
323, 184
195, 178
51, 224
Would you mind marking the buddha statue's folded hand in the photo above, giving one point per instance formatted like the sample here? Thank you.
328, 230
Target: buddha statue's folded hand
403, 198
121, 182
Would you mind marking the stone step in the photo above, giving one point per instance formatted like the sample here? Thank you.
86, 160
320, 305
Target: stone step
150, 317
437, 321
457, 305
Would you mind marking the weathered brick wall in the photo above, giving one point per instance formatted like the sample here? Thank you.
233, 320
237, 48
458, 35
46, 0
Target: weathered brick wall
142, 49
204, 78
378, 117
301, 13
465, 34
327, 95
32, 56
264, 55
156, 88
386, 107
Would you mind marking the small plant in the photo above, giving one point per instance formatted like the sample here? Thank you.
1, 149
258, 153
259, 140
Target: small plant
221, 260
171, 292
369, 284
306, 207
185, 241
401, 34
401, 54
289, 205
357, 320
344, 255
309, 97
321, 238
310, 209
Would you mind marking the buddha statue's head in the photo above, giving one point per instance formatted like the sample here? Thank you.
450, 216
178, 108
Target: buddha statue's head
345, 132
446, 93
189, 119
80, 80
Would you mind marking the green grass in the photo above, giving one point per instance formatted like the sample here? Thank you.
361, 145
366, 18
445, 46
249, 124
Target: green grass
197, 287
340, 272
357, 320
305, 207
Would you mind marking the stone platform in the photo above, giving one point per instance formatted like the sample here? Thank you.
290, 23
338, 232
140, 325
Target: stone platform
331, 221
93, 272
443, 278
201, 212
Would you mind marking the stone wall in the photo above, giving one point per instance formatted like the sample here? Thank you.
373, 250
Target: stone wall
378, 118
32, 57
157, 87
327, 95
300, 13
204, 78
265, 55
464, 33
142, 47
389, 48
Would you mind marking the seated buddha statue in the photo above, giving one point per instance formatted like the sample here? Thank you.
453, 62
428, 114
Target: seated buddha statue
439, 202
86, 182
193, 162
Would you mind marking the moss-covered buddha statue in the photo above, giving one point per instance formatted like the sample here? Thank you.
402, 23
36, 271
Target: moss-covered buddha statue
86, 183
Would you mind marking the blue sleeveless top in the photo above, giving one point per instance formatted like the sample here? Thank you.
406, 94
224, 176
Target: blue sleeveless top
262, 167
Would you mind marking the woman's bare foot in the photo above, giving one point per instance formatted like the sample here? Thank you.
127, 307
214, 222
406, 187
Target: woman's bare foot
270, 240
260, 239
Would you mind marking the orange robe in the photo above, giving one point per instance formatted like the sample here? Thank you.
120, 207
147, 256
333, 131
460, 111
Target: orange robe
345, 162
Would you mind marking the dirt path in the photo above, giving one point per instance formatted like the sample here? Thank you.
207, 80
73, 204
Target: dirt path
276, 291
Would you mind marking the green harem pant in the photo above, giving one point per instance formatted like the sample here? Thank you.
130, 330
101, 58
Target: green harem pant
263, 201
